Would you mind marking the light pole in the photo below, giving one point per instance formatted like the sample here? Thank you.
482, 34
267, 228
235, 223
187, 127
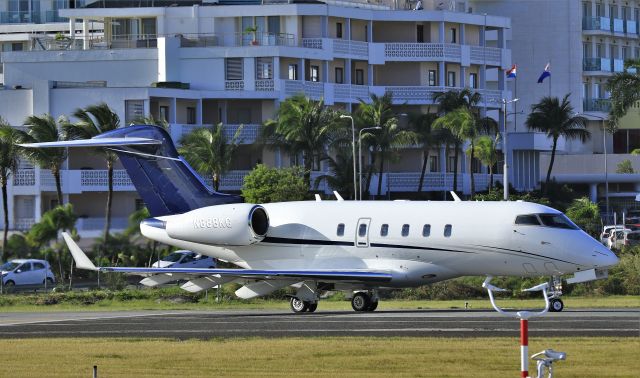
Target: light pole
353, 152
360, 155
505, 167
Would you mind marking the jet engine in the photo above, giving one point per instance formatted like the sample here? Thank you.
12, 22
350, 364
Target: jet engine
231, 224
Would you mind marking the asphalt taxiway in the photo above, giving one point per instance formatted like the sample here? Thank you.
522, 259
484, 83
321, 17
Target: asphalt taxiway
269, 323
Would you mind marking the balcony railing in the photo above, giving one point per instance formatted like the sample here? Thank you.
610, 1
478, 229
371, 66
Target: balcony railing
24, 177
23, 224
597, 64
631, 27
596, 23
97, 223
311, 89
445, 51
347, 47
237, 39
597, 105
249, 133
617, 25
490, 55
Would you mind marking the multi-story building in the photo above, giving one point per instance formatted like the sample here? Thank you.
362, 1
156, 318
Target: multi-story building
586, 42
200, 65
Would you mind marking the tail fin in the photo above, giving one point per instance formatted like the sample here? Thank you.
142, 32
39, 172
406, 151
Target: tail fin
164, 180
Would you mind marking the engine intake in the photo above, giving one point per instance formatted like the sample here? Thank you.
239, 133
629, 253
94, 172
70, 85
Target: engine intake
231, 224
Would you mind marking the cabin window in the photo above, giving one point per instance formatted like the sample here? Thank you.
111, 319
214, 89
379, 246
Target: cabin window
340, 230
362, 230
530, 220
426, 230
447, 231
405, 230
384, 230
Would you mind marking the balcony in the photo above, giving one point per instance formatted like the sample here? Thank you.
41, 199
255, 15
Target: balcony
248, 135
589, 168
597, 65
533, 141
433, 182
72, 181
631, 27
312, 89
617, 25
596, 105
421, 51
597, 23
237, 39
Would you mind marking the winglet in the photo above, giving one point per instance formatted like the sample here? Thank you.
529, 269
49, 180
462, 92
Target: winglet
82, 261
455, 196
338, 196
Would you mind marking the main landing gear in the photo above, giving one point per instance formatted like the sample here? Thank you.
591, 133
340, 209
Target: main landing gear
298, 305
363, 301
555, 292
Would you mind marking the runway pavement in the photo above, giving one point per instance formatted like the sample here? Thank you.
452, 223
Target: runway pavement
266, 323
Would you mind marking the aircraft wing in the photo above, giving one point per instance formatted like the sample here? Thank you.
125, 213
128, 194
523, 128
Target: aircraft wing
329, 275
95, 142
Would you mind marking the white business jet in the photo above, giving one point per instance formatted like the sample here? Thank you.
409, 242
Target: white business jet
317, 246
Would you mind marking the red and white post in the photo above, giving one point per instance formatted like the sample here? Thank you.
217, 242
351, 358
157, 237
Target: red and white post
524, 348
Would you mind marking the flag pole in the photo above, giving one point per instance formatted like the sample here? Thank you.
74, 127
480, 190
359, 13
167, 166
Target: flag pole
515, 107
549, 78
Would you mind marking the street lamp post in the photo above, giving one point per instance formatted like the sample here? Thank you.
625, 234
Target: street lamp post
353, 152
360, 155
505, 167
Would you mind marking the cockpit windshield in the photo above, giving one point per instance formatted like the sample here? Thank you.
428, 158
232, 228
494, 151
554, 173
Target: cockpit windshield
548, 220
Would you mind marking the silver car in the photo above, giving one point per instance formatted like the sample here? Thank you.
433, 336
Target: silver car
21, 272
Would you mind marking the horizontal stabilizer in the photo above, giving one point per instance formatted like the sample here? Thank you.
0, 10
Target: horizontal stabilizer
95, 142
81, 259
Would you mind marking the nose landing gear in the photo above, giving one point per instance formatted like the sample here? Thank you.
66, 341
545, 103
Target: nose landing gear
555, 292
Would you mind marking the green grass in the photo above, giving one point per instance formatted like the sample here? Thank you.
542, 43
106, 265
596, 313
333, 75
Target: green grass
166, 300
321, 356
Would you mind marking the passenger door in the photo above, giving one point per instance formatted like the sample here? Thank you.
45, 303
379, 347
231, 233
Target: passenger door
25, 277
362, 233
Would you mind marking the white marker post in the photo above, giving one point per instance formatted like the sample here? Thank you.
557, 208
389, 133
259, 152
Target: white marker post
524, 317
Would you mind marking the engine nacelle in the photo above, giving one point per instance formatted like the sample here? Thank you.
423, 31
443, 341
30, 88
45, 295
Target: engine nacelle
231, 224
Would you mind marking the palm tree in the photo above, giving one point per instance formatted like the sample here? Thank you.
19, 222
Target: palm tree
94, 120
207, 150
428, 138
486, 152
45, 129
340, 176
390, 137
625, 91
448, 102
303, 126
556, 118
8, 165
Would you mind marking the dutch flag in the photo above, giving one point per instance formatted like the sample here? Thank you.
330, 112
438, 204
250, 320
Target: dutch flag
512, 72
545, 74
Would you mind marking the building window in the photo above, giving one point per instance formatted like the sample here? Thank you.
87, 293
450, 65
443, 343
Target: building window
17, 46
191, 115
447, 231
451, 79
366, 33
164, 113
433, 78
451, 162
133, 110
473, 80
233, 68
264, 68
434, 165
384, 230
293, 72
426, 230
338, 29
339, 75
420, 33
315, 73
453, 35
359, 77
139, 204
405, 230
340, 231
476, 165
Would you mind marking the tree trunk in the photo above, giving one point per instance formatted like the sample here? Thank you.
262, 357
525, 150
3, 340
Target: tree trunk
456, 147
369, 174
381, 173
473, 181
553, 157
308, 165
490, 178
5, 253
214, 182
107, 224
425, 161
56, 175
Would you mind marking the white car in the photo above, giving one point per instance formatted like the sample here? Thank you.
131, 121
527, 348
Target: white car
606, 233
185, 259
26, 272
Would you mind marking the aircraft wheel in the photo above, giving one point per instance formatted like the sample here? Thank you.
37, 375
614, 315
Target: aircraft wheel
556, 305
372, 306
312, 307
298, 305
360, 301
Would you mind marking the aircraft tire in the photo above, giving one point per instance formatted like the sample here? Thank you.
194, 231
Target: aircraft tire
556, 305
372, 306
297, 305
312, 307
360, 301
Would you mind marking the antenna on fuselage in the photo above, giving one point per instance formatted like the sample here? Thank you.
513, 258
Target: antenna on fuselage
455, 196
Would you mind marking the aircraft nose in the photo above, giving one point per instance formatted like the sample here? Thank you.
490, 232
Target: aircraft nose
604, 257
